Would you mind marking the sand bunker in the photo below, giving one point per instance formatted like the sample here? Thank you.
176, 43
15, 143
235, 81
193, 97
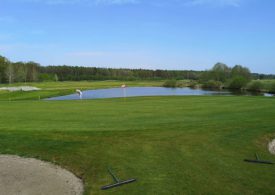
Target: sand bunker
27, 176
20, 88
271, 147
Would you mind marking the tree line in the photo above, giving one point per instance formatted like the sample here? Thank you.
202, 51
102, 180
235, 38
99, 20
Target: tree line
77, 73
11, 72
18, 72
223, 76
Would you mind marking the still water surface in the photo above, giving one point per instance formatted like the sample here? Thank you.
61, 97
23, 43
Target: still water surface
143, 91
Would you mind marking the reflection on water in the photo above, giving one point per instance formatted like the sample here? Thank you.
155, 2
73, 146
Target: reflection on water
146, 91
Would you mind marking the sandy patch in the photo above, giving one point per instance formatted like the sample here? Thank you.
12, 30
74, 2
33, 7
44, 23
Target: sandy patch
20, 88
271, 147
28, 176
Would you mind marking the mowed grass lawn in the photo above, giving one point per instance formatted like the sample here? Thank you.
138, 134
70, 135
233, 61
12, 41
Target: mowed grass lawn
172, 145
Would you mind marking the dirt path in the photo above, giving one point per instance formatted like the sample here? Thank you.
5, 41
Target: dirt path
27, 176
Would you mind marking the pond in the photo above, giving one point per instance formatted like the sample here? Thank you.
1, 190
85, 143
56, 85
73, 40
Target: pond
142, 91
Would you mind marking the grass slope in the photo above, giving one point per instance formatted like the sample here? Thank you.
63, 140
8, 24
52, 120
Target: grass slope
172, 145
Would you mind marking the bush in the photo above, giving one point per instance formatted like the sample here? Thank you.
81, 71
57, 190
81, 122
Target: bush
212, 85
181, 84
256, 86
46, 77
193, 84
238, 83
170, 83
272, 88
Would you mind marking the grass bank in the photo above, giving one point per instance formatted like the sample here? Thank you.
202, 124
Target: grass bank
52, 89
172, 145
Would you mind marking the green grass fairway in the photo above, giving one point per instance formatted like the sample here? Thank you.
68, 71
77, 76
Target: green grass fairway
172, 145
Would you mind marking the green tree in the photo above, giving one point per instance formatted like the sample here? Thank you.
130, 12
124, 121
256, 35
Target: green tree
238, 82
20, 71
32, 71
55, 77
10, 72
272, 87
256, 86
212, 85
220, 72
240, 71
3, 69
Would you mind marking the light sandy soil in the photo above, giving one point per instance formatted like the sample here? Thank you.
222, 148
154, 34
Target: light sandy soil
21, 88
271, 147
28, 176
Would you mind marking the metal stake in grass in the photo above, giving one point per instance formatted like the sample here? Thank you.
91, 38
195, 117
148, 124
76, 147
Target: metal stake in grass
124, 90
257, 160
117, 181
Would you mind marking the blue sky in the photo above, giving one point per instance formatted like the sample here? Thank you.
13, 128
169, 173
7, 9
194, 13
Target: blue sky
154, 34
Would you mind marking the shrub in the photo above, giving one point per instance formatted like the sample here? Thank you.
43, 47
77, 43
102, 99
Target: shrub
180, 84
170, 83
272, 87
238, 83
193, 84
212, 85
256, 86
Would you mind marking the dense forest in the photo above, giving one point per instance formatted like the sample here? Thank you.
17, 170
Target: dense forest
76, 73
11, 72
